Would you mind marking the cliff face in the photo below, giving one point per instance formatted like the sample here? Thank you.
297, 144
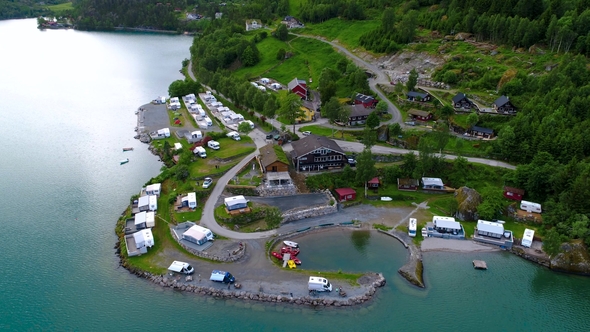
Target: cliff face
574, 258
468, 200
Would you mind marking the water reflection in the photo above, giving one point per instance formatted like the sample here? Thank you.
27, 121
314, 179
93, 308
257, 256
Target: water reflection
360, 240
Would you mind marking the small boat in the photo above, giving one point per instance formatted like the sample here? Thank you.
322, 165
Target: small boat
277, 255
386, 199
127, 149
291, 264
288, 250
124, 161
291, 244
296, 260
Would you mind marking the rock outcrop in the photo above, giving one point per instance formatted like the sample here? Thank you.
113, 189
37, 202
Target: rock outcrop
574, 258
468, 200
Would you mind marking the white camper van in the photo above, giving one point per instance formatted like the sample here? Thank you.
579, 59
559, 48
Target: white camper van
319, 284
181, 267
530, 206
412, 224
200, 151
213, 145
527, 238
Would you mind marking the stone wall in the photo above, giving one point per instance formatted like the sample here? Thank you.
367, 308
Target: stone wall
164, 281
311, 211
276, 191
413, 269
539, 259
235, 255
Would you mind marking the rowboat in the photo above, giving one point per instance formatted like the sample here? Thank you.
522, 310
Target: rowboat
291, 244
291, 264
124, 161
386, 199
127, 149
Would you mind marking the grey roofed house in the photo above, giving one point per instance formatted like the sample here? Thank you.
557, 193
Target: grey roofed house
313, 142
359, 110
482, 130
459, 97
295, 82
448, 224
501, 101
415, 94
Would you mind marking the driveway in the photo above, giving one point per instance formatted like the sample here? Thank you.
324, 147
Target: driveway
285, 203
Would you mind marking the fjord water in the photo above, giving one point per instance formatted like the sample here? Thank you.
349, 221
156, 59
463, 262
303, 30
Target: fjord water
68, 109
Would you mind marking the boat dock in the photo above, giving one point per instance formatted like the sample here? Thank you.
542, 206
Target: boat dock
479, 265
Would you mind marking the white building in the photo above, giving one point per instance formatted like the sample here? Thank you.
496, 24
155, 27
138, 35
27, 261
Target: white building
527, 238
190, 200
139, 242
236, 203
432, 183
489, 228
153, 203
153, 189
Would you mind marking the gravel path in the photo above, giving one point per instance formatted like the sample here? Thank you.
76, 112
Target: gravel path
437, 244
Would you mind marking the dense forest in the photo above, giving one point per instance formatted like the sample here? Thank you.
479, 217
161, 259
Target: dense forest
24, 8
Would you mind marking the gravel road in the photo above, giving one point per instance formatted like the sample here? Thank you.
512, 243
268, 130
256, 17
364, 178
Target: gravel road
437, 244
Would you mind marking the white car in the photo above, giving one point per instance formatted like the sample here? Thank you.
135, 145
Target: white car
306, 133
207, 183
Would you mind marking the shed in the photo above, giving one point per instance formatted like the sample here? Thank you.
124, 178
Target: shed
374, 182
236, 203
407, 184
515, 194
177, 146
491, 229
195, 236
432, 183
345, 194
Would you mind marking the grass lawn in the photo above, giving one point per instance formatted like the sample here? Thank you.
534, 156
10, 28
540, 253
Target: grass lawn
189, 216
58, 9
176, 114
229, 148
346, 32
269, 47
204, 167
325, 131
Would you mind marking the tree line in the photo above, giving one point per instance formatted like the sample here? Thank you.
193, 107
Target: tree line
10, 9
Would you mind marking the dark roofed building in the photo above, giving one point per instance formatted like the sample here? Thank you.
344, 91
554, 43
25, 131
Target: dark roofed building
272, 158
418, 96
408, 184
504, 106
420, 115
358, 114
481, 132
461, 101
314, 153
366, 101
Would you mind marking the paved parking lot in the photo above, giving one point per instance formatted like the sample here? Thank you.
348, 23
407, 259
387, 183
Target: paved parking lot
285, 203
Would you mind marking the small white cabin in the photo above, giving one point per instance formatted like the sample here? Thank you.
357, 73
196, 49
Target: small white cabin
530, 206
144, 239
527, 238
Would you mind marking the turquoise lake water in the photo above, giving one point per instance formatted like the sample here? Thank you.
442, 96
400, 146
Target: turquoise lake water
69, 102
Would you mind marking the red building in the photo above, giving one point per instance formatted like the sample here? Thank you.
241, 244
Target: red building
345, 194
514, 194
299, 87
374, 183
367, 101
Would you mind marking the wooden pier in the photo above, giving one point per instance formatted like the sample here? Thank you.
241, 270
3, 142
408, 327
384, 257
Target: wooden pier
479, 265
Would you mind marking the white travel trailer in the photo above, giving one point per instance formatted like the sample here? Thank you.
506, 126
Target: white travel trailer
181, 267
527, 238
319, 284
153, 203
200, 151
208, 121
234, 135
530, 207
412, 225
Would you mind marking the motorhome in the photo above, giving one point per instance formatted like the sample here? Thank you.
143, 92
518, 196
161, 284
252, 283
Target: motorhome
181, 267
530, 207
200, 151
412, 225
527, 238
222, 276
208, 121
234, 135
213, 145
319, 284
249, 123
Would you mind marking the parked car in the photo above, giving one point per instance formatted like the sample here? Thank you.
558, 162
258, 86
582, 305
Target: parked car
207, 183
269, 136
352, 162
306, 133
277, 137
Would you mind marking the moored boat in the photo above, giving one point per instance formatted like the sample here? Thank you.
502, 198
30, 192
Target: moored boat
291, 264
289, 250
124, 161
291, 244
386, 199
127, 149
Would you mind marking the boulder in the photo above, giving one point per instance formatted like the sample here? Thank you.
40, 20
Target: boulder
573, 258
467, 200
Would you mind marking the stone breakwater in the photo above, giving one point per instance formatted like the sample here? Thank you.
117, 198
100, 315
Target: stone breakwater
223, 293
235, 255
413, 269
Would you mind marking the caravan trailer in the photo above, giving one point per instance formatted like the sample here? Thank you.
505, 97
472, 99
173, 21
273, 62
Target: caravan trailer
527, 238
530, 207
412, 224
